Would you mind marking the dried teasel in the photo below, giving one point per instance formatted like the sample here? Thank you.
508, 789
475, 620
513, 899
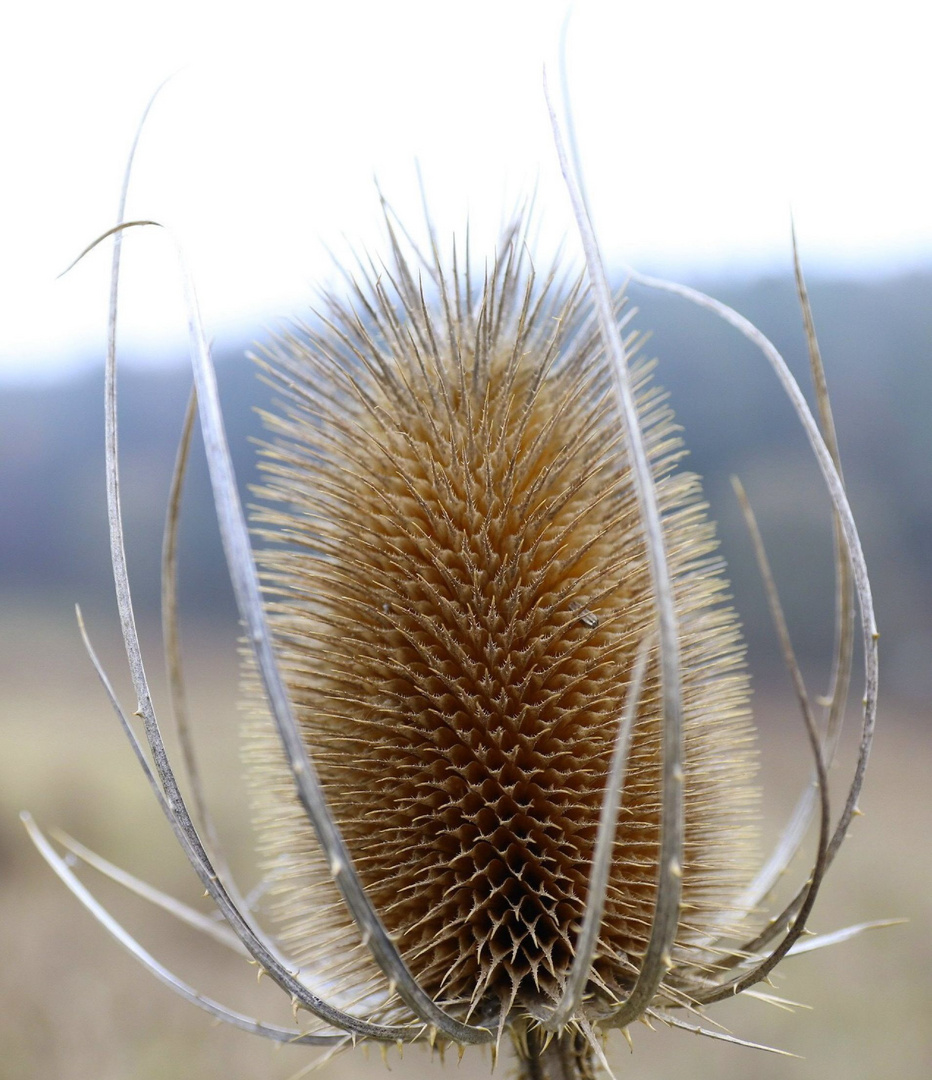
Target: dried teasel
501, 751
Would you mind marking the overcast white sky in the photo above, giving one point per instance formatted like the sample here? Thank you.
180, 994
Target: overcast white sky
700, 124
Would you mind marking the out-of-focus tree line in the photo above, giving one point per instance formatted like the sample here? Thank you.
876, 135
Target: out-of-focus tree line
876, 339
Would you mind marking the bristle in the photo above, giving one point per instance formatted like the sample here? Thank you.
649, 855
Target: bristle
458, 586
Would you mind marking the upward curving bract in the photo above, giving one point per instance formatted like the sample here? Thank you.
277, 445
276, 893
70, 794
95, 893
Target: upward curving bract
458, 588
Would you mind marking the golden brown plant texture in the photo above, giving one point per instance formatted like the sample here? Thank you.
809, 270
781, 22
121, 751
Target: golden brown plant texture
500, 747
457, 615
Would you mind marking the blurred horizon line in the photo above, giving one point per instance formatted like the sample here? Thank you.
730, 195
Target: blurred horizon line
39, 366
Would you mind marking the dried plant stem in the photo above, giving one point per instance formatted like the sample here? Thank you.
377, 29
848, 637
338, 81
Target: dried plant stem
567, 1056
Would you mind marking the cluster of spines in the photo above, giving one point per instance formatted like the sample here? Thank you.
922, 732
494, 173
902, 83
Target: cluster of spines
458, 587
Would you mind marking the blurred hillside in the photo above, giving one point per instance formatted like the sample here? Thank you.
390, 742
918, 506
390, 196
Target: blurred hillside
876, 337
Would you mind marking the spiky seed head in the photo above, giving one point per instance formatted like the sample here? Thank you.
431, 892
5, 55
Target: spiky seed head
458, 586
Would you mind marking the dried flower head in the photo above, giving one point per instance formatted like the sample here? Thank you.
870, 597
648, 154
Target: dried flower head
458, 616
501, 751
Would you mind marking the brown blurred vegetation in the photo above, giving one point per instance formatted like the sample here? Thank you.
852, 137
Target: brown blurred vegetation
74, 1005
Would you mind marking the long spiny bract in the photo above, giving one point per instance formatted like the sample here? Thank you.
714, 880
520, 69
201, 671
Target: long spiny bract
458, 587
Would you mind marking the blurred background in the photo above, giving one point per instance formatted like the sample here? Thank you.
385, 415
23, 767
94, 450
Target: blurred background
698, 131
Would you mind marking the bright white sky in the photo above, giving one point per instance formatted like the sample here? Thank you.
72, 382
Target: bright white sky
700, 124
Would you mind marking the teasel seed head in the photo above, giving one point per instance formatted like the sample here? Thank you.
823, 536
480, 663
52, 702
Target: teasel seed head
458, 587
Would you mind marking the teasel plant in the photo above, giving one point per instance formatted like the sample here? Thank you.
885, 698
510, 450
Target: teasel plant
499, 741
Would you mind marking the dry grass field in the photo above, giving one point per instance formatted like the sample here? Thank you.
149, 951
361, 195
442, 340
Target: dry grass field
75, 1006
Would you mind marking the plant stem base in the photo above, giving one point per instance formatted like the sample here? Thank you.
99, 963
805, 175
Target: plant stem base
567, 1056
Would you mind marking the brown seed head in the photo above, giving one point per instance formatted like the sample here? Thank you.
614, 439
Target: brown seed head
458, 587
